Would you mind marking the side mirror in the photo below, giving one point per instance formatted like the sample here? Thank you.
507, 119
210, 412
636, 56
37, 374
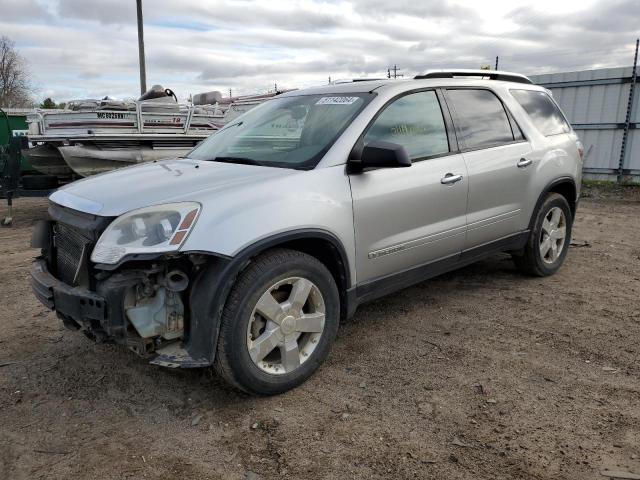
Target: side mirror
379, 154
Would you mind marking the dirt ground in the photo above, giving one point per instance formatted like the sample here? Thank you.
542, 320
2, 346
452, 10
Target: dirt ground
479, 374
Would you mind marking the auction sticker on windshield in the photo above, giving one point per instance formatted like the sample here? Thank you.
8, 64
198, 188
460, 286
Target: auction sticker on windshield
337, 100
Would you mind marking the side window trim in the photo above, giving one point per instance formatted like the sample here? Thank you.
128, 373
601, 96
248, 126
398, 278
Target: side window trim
448, 125
456, 121
452, 134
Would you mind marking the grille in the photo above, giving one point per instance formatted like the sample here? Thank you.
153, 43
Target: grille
70, 247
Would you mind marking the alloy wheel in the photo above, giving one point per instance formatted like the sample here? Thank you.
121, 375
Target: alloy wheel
286, 325
553, 235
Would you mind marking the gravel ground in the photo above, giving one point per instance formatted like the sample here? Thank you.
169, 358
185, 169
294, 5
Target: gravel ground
478, 374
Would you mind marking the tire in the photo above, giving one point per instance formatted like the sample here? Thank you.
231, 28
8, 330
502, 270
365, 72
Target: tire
246, 333
531, 260
39, 182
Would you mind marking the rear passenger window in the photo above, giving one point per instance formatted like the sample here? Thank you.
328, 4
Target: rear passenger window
481, 119
415, 122
544, 113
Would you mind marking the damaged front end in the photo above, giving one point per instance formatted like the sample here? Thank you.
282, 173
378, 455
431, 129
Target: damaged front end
143, 303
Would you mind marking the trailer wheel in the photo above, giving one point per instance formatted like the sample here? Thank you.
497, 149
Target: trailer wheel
39, 182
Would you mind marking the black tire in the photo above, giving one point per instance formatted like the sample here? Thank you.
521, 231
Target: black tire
233, 361
39, 182
529, 260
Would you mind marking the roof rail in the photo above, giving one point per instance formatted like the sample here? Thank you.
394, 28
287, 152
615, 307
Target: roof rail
491, 74
354, 80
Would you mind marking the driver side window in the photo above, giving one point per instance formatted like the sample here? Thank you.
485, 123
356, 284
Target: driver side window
414, 121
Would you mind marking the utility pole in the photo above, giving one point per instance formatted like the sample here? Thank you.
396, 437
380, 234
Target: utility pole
143, 68
496, 63
627, 122
395, 73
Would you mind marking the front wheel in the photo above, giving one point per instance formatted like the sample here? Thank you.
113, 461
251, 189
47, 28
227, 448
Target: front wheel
278, 323
549, 239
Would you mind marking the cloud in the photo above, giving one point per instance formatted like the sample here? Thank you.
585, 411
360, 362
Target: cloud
615, 16
78, 48
105, 12
24, 10
303, 16
440, 9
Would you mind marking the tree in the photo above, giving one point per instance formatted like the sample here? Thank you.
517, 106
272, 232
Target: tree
15, 85
48, 103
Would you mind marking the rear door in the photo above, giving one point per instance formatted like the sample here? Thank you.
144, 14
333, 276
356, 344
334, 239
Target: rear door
498, 161
406, 217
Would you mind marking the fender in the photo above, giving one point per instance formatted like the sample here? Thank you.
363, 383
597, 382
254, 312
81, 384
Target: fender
211, 288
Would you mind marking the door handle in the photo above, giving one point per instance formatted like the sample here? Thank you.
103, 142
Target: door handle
524, 162
450, 179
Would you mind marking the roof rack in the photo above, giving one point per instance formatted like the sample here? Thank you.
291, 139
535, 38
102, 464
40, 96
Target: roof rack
490, 74
354, 80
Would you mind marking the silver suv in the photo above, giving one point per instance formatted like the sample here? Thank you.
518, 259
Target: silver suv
246, 253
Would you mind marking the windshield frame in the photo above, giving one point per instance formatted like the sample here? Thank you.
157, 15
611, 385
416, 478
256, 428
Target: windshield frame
312, 162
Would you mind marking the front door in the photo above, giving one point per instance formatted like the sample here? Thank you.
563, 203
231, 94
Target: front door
407, 217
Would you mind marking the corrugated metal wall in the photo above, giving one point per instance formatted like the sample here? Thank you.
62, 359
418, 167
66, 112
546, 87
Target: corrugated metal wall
595, 102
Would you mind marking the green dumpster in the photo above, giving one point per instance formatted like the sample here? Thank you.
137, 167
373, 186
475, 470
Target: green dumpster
15, 124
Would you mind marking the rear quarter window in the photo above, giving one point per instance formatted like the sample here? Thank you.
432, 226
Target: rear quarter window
544, 113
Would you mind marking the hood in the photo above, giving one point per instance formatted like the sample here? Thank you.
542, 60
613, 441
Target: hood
114, 193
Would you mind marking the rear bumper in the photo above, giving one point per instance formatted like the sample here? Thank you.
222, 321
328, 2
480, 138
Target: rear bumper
75, 303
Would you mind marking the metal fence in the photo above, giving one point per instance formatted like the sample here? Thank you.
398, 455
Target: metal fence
596, 103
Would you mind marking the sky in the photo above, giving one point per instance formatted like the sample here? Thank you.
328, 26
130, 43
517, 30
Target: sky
88, 48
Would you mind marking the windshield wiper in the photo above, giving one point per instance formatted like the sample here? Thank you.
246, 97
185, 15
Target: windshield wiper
239, 160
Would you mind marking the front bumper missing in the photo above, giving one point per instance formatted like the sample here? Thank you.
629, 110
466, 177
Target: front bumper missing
76, 303
102, 316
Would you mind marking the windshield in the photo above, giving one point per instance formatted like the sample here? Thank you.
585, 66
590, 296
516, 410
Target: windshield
289, 132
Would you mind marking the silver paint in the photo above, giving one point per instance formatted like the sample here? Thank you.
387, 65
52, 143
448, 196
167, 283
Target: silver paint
388, 220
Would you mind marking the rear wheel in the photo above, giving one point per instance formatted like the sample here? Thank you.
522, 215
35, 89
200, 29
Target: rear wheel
278, 324
549, 239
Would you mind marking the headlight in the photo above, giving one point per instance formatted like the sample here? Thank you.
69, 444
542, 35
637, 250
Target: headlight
156, 229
